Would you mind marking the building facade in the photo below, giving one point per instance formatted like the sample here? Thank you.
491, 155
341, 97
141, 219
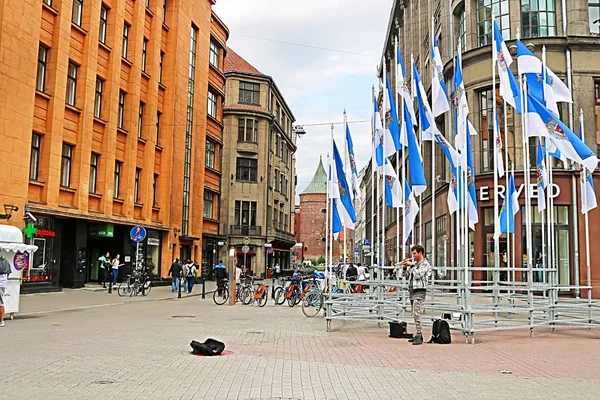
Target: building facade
257, 208
113, 120
569, 31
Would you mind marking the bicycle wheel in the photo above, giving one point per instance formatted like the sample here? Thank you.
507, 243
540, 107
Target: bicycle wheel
279, 296
123, 288
146, 288
221, 298
247, 295
262, 300
312, 304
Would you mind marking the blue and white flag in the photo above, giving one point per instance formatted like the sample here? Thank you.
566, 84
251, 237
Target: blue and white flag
462, 107
498, 149
472, 191
352, 160
452, 157
588, 192
377, 137
542, 122
553, 151
426, 119
439, 93
392, 128
542, 177
509, 88
530, 64
411, 209
336, 222
393, 187
340, 191
415, 163
509, 209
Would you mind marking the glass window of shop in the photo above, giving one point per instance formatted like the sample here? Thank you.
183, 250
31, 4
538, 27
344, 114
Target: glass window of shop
488, 256
153, 243
41, 266
484, 16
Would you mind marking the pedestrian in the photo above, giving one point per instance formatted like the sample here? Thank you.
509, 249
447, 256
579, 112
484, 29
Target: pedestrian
183, 280
104, 265
4, 273
277, 271
175, 272
238, 277
115, 268
220, 274
190, 273
418, 271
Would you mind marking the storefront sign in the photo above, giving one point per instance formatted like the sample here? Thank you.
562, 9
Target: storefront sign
153, 242
102, 230
21, 261
484, 191
45, 233
30, 231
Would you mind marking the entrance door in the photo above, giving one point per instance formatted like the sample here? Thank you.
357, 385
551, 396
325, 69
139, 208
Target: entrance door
185, 253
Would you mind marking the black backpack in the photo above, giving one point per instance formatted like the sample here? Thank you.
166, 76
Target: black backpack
440, 332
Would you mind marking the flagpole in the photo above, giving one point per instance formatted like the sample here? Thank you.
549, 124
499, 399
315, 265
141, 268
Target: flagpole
331, 207
508, 263
433, 176
542, 255
373, 174
345, 176
584, 191
400, 115
383, 205
496, 272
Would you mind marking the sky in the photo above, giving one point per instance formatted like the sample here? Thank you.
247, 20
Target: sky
317, 84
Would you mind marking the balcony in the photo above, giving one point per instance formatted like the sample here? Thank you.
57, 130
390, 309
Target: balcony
245, 230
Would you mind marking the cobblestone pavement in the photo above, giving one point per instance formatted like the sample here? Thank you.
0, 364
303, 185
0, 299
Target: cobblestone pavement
140, 350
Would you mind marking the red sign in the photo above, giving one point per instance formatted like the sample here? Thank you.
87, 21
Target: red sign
45, 233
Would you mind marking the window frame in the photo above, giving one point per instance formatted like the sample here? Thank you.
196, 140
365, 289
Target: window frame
136, 185
98, 91
594, 5
164, 13
160, 67
94, 161
140, 130
247, 207
103, 23
210, 154
144, 53
77, 19
154, 188
250, 170
208, 199
158, 115
247, 133
40, 80
71, 98
485, 25
125, 48
34, 158
530, 15
117, 179
212, 104
214, 52
248, 94
66, 164
121, 109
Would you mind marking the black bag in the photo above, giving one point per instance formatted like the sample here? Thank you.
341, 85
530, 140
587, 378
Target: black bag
210, 347
440, 333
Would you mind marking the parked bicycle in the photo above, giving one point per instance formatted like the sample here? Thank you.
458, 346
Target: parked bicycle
138, 282
252, 292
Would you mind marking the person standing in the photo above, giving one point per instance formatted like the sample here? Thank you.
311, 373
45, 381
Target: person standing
190, 275
104, 266
175, 272
4, 273
220, 273
238, 277
418, 271
115, 268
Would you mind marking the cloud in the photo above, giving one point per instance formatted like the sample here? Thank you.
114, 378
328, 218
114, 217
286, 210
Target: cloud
317, 84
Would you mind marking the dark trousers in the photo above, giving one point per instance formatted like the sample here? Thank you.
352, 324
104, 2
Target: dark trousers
190, 283
103, 277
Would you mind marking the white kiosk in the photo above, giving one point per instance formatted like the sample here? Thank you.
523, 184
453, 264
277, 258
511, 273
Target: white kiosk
19, 256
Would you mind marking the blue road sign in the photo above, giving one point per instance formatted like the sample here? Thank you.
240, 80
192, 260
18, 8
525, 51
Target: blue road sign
137, 234
356, 249
367, 242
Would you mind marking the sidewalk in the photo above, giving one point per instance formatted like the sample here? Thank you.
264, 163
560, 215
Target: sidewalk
93, 297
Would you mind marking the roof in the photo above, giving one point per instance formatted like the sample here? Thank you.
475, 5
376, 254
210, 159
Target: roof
318, 185
235, 63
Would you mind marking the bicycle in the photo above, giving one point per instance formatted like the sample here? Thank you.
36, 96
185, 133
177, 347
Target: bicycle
313, 302
138, 282
221, 294
251, 294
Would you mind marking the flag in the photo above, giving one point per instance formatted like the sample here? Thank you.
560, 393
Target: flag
538, 85
509, 88
411, 209
530, 64
426, 119
393, 188
499, 160
588, 192
341, 191
553, 151
415, 164
452, 157
542, 122
392, 128
509, 209
439, 93
352, 160
472, 191
542, 177
377, 137
333, 195
462, 107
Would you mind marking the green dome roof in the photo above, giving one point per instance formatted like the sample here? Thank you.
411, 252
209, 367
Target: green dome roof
318, 185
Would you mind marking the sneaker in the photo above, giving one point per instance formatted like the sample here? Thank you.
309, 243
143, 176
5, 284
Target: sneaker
1, 324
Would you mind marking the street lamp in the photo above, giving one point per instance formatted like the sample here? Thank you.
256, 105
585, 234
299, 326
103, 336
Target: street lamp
299, 130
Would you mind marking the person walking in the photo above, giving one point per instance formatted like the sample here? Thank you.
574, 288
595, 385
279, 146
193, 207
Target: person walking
175, 273
4, 273
190, 275
277, 271
418, 271
115, 268
104, 265
183, 279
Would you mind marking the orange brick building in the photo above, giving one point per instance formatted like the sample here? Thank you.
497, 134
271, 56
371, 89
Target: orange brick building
117, 124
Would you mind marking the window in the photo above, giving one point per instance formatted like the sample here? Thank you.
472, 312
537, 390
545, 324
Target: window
212, 104
40, 83
147, 3
71, 83
93, 172
462, 28
158, 114
144, 53
246, 169
538, 18
141, 119
98, 98
484, 16
278, 112
34, 160
160, 67
65, 167
247, 130
125, 40
208, 205
210, 154
276, 180
117, 183
594, 14
154, 186
441, 245
49, 2
164, 11
245, 213
487, 130
187, 161
121, 114
103, 23
249, 93
77, 11
214, 54
136, 187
